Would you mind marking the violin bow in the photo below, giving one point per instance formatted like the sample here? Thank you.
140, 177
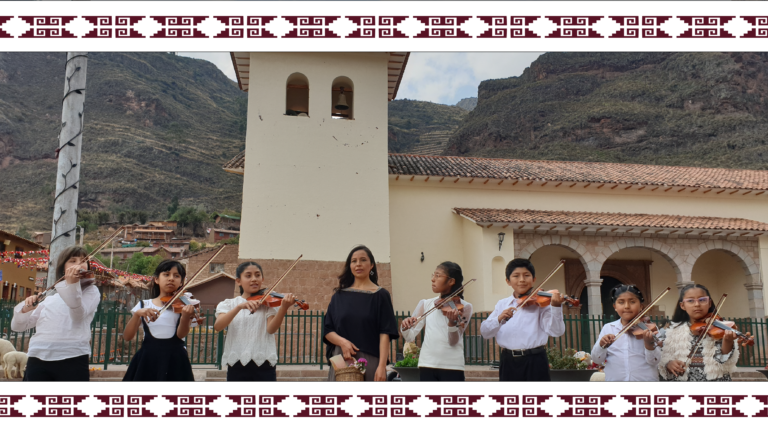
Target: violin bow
436, 306
538, 288
704, 333
184, 287
93, 253
642, 313
266, 294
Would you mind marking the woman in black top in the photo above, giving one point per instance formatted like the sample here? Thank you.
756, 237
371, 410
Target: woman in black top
360, 320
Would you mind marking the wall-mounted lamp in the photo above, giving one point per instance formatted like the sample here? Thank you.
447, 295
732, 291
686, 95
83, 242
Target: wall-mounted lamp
422, 257
501, 239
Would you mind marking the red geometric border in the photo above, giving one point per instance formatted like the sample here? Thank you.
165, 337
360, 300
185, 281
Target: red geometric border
383, 406
430, 27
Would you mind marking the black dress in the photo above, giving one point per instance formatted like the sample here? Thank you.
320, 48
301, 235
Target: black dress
160, 359
360, 317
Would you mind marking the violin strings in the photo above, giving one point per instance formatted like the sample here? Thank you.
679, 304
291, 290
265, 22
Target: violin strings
266, 294
181, 290
642, 313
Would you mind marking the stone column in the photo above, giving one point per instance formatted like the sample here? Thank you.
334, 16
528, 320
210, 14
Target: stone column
755, 300
595, 298
682, 284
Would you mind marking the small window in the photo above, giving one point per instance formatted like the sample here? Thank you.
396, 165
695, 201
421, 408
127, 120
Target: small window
342, 105
217, 267
297, 96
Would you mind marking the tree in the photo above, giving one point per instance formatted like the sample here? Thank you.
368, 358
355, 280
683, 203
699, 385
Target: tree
23, 233
68, 155
195, 246
122, 218
144, 265
142, 216
190, 217
174, 207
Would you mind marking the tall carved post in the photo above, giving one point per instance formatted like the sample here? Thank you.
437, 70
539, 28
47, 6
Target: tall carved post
68, 153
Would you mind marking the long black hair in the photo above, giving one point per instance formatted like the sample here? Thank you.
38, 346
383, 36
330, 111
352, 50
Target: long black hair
621, 289
241, 268
164, 266
681, 316
453, 271
346, 278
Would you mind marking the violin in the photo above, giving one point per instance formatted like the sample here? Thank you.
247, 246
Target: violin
180, 302
645, 324
719, 327
276, 299
544, 299
451, 304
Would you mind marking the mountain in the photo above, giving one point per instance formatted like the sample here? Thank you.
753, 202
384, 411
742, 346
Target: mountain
694, 109
156, 125
467, 103
421, 127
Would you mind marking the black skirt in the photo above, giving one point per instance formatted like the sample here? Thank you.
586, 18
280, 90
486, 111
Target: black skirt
160, 359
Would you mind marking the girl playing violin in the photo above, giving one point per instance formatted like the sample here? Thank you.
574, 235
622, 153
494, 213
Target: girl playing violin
713, 360
163, 353
250, 351
523, 333
60, 347
442, 352
629, 358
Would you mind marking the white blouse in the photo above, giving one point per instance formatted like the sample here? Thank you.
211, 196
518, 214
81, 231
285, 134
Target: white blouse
247, 338
529, 327
62, 322
443, 346
165, 326
627, 358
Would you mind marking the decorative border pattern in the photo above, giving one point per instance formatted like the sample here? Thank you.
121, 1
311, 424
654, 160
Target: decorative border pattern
334, 406
384, 27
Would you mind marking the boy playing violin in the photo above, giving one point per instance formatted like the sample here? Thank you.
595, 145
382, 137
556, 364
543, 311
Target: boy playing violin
523, 333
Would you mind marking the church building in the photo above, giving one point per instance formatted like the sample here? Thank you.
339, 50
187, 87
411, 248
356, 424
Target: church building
319, 181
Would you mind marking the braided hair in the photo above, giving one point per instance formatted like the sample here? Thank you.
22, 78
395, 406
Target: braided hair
622, 288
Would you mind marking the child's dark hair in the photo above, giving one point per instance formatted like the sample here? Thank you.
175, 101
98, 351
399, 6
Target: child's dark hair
241, 268
65, 255
681, 316
517, 263
164, 266
346, 278
453, 271
621, 289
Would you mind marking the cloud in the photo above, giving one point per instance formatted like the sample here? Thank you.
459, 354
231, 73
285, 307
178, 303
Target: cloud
442, 78
449, 77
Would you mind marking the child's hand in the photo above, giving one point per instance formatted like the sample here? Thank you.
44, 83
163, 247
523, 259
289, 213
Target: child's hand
148, 313
288, 300
729, 336
29, 304
607, 340
557, 299
676, 367
507, 314
453, 317
72, 275
252, 306
408, 323
188, 311
650, 344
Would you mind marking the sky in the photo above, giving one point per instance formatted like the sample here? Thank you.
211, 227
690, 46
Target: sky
443, 78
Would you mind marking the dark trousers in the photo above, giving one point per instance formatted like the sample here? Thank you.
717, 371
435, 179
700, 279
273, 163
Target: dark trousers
251, 372
534, 367
71, 369
433, 374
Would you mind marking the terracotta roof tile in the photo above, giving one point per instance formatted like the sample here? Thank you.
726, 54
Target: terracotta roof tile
589, 172
236, 163
514, 216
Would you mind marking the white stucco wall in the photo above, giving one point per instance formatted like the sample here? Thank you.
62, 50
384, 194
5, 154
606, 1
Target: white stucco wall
315, 186
421, 219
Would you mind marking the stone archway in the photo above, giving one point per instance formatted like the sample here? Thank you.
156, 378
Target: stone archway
674, 257
585, 258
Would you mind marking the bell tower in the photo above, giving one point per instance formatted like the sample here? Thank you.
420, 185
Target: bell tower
316, 177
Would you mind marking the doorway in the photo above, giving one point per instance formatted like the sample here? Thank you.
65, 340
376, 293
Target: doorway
605, 296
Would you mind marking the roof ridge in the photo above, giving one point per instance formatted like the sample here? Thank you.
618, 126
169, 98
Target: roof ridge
600, 213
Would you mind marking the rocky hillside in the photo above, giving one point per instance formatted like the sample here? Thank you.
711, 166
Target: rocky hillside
696, 109
421, 127
467, 103
156, 125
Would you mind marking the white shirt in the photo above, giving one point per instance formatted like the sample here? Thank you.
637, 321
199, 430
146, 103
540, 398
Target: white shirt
165, 325
443, 346
62, 322
628, 360
530, 327
247, 337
